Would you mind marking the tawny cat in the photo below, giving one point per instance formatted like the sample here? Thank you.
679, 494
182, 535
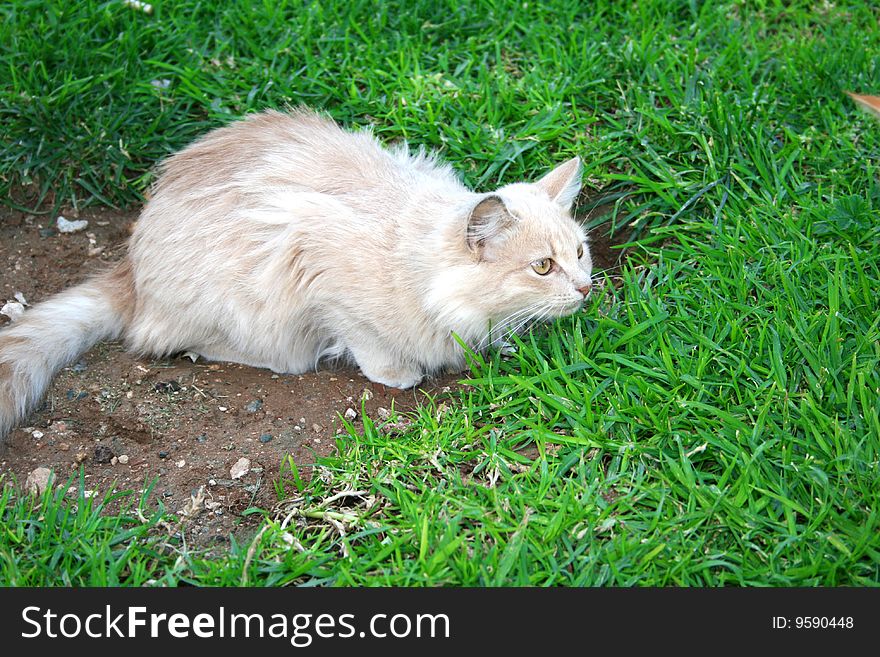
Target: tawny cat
281, 240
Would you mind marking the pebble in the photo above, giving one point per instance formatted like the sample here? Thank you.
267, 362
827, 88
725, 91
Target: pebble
350, 414
37, 434
123, 459
103, 454
80, 366
181, 463
240, 469
201, 438
80, 457
38, 480
266, 437
367, 394
13, 310
222, 408
383, 413
317, 428
63, 447
73, 491
163, 455
48, 232
67, 226
254, 406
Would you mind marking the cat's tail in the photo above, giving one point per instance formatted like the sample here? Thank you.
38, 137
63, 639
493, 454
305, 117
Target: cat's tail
54, 332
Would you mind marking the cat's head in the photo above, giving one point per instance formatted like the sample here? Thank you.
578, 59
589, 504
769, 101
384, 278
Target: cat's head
532, 258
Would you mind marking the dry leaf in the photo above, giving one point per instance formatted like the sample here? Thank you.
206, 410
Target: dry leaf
870, 104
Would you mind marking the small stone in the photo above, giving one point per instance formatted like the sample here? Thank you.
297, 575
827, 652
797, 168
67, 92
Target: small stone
367, 395
163, 454
240, 469
73, 491
123, 459
167, 386
13, 310
70, 394
266, 437
302, 420
67, 226
63, 447
222, 408
80, 366
317, 428
103, 454
254, 406
80, 457
383, 413
82, 395
181, 463
114, 461
201, 438
38, 480
48, 232
350, 414
37, 434
129, 394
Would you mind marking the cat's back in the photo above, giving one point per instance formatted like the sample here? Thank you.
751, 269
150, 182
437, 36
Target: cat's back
296, 149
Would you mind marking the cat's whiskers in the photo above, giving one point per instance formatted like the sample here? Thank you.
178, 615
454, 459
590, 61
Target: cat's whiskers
540, 318
526, 325
500, 329
525, 317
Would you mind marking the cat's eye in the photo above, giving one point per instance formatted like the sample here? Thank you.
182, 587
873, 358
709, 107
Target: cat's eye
580, 250
542, 266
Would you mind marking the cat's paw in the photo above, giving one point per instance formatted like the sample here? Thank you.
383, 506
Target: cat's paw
393, 377
381, 367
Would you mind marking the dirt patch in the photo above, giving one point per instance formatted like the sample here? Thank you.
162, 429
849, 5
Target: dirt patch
128, 421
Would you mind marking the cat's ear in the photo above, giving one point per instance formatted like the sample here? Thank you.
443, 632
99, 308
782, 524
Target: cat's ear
563, 184
488, 221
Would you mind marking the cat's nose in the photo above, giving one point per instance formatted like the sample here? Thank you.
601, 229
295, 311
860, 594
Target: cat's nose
585, 290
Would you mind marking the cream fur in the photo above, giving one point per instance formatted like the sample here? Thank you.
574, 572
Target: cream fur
282, 240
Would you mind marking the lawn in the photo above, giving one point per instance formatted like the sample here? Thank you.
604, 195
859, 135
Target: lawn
710, 418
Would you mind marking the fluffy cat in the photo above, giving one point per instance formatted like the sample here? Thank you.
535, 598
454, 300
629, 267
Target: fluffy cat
281, 240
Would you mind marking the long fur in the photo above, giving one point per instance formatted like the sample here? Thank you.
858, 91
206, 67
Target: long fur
282, 240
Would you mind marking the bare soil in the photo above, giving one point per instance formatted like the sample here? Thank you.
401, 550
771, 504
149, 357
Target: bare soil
128, 421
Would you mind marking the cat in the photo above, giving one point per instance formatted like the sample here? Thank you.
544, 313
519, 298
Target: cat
282, 240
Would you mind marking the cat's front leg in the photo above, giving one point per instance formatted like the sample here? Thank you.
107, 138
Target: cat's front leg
381, 367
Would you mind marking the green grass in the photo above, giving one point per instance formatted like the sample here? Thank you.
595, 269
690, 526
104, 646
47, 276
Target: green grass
711, 418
